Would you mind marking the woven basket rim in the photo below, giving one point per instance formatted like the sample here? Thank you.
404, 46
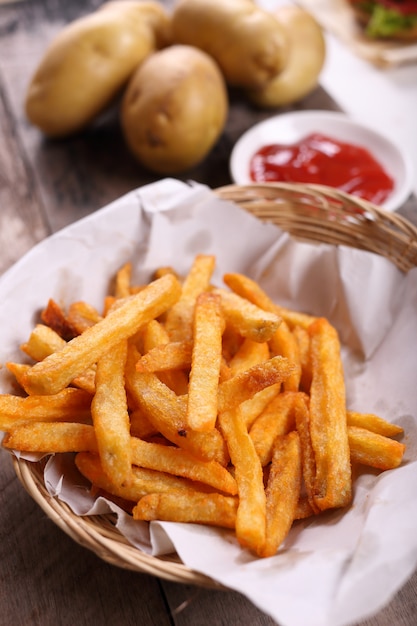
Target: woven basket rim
309, 212
322, 214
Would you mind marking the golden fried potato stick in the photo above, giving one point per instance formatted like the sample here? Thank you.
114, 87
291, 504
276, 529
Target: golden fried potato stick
281, 341
251, 512
44, 341
246, 384
328, 428
252, 291
123, 281
110, 415
374, 450
175, 355
208, 326
155, 336
51, 437
303, 510
172, 460
212, 509
246, 318
82, 315
374, 423
308, 461
60, 368
251, 409
303, 341
179, 319
248, 354
282, 491
54, 316
69, 404
165, 269
232, 342
284, 343
143, 481
167, 412
276, 419
140, 426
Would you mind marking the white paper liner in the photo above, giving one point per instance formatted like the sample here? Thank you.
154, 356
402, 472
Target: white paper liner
331, 571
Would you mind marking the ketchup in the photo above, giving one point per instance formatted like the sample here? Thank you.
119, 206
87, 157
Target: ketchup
322, 160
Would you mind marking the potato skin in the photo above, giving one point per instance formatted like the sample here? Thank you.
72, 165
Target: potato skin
307, 53
248, 43
174, 109
88, 63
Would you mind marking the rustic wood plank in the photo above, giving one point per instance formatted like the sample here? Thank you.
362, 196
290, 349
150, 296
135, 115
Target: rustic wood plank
22, 222
47, 579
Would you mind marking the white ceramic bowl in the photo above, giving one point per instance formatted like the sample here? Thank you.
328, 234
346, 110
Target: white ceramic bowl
291, 127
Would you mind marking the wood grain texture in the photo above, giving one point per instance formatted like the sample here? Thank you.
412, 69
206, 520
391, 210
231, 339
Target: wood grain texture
47, 579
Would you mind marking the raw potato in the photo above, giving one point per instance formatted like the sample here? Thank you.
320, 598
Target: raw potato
174, 109
89, 62
305, 61
249, 44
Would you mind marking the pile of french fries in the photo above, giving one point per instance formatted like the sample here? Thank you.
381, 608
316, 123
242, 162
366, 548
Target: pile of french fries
194, 403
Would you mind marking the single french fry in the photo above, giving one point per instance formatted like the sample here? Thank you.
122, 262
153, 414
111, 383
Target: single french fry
303, 341
282, 491
328, 428
275, 420
143, 481
140, 426
82, 315
284, 343
110, 416
60, 368
251, 290
167, 412
374, 423
248, 354
175, 355
44, 341
123, 281
18, 370
205, 363
246, 384
232, 342
68, 405
308, 461
303, 510
247, 318
374, 450
252, 408
172, 460
212, 509
155, 336
251, 512
165, 269
179, 319
54, 316
51, 437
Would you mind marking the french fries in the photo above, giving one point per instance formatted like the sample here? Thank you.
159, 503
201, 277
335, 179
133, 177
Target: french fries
195, 403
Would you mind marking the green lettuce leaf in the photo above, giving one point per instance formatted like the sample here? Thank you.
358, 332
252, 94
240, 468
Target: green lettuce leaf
387, 22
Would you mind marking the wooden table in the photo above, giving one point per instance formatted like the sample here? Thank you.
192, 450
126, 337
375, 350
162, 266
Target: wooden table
45, 185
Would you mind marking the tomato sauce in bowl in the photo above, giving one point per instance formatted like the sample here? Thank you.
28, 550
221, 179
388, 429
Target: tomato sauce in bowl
320, 159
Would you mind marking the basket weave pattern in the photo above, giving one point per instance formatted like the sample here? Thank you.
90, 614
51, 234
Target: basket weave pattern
308, 212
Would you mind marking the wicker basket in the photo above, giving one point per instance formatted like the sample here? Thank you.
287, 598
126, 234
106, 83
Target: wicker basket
309, 212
